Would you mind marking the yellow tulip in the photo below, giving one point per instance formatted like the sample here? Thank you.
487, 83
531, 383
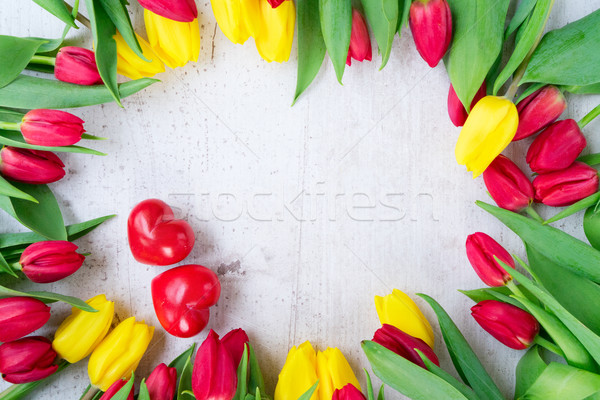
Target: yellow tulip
334, 372
174, 42
490, 127
274, 42
80, 333
399, 310
132, 66
238, 19
298, 373
119, 354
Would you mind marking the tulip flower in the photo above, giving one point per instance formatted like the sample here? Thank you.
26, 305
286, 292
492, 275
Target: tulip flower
115, 387
19, 316
30, 166
538, 110
76, 65
50, 261
456, 110
132, 66
481, 250
238, 19
174, 42
299, 373
275, 3
177, 10
431, 25
234, 342
162, 383
27, 360
348, 392
51, 128
119, 354
565, 187
360, 42
81, 332
509, 324
557, 147
404, 345
488, 130
508, 185
274, 41
214, 375
333, 372
399, 310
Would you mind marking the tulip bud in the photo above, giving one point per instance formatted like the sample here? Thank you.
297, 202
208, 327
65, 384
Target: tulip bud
333, 372
456, 110
360, 42
404, 344
161, 383
177, 10
115, 387
488, 130
481, 250
557, 147
51, 128
131, 65
348, 392
174, 42
119, 354
27, 360
431, 25
276, 33
234, 342
509, 324
30, 166
214, 376
538, 110
19, 316
76, 65
565, 187
298, 374
80, 333
508, 185
50, 261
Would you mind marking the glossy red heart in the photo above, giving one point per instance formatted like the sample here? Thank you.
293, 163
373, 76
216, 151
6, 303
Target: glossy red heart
182, 297
155, 236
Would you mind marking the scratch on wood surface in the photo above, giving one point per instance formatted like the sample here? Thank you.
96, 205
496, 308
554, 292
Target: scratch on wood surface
212, 52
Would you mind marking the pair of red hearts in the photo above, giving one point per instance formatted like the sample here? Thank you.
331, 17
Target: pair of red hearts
182, 295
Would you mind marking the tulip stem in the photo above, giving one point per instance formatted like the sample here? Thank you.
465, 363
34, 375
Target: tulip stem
548, 345
43, 60
84, 21
10, 126
589, 117
89, 393
533, 214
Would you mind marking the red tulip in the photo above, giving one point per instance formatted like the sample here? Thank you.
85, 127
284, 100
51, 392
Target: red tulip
557, 147
51, 128
177, 10
50, 261
538, 110
509, 324
77, 65
565, 187
115, 387
348, 392
481, 250
275, 3
19, 316
431, 25
235, 341
456, 109
360, 42
27, 360
404, 344
162, 382
30, 166
508, 185
214, 375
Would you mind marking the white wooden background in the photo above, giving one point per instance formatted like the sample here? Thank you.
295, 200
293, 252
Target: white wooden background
305, 212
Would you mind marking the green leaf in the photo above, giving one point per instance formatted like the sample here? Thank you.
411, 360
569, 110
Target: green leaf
31, 92
53, 44
403, 14
558, 246
256, 380
9, 190
493, 293
574, 208
407, 378
5, 268
530, 89
242, 377
185, 381
463, 357
15, 139
586, 89
568, 56
15, 53
123, 393
477, 41
44, 217
179, 362
143, 394
311, 47
529, 368
523, 11
59, 10
308, 394
370, 394
590, 159
336, 26
383, 18
119, 16
381, 394
48, 297
559, 381
434, 369
591, 226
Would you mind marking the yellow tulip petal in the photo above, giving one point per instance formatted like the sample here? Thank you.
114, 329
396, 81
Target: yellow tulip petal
175, 43
132, 66
274, 42
334, 372
298, 373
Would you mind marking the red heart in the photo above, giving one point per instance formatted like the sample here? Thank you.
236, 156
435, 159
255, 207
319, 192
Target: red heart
155, 236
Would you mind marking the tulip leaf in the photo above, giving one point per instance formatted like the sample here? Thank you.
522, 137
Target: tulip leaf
586, 89
15, 139
493, 293
407, 378
477, 41
53, 44
381, 394
559, 381
31, 92
311, 47
529, 368
309, 393
119, 16
15, 54
242, 377
590, 159
521, 14
532, 88
48, 297
383, 18
569, 55
434, 369
591, 226
179, 362
403, 14
185, 380
123, 393
6, 189
370, 393
463, 357
575, 208
336, 26
5, 268
143, 394
556, 245
255, 380
59, 9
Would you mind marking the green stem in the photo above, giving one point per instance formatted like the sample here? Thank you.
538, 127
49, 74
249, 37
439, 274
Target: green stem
515, 289
548, 345
79, 17
19, 391
589, 117
533, 214
10, 126
89, 393
43, 60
